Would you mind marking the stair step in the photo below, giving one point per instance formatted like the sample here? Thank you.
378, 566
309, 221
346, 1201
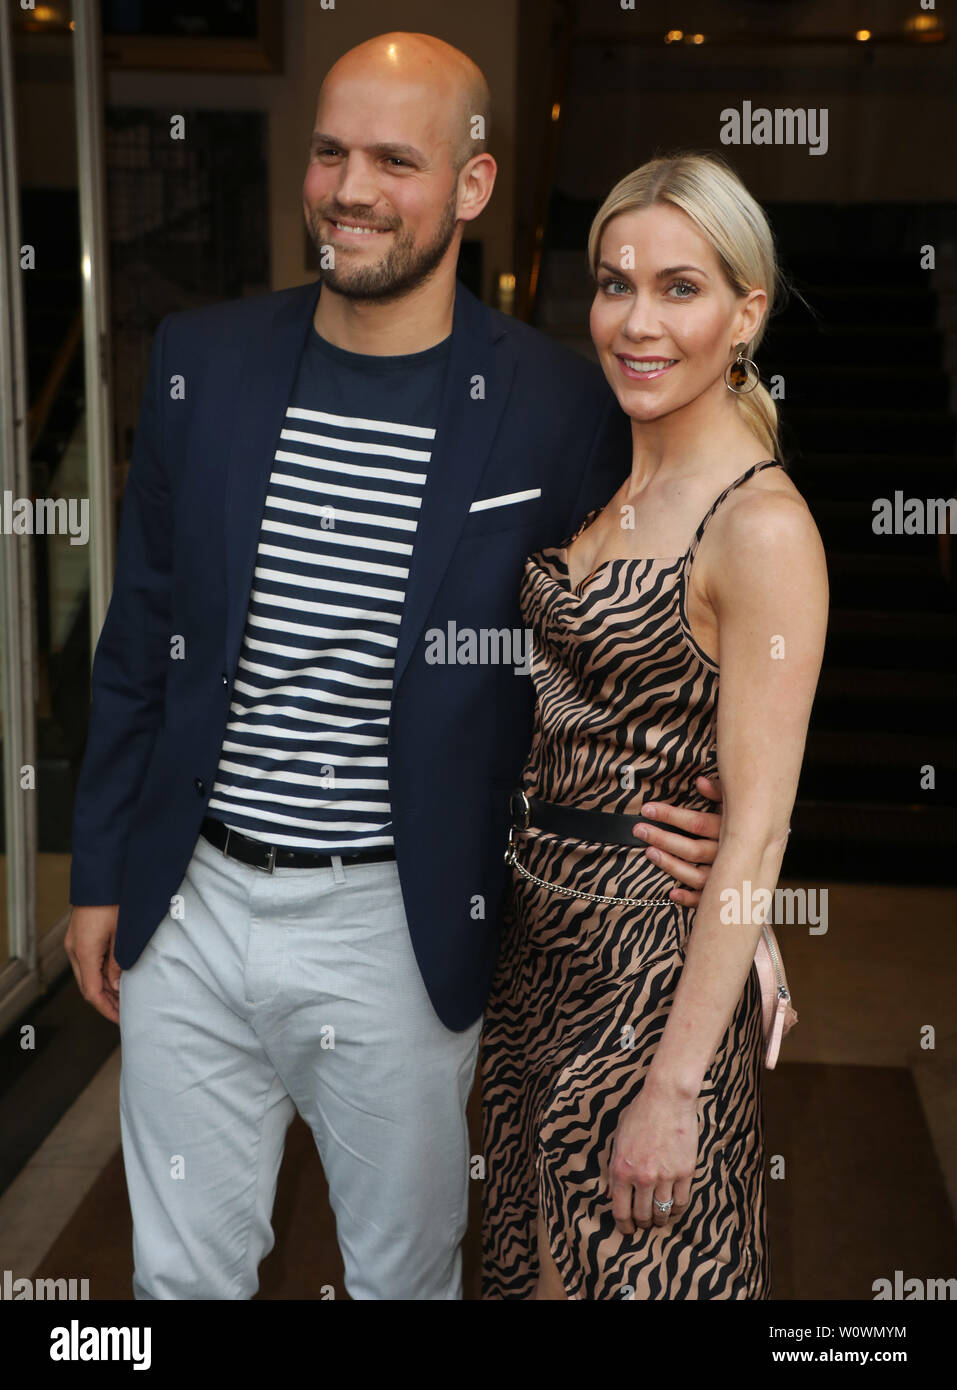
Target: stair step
849, 527
895, 641
903, 388
839, 346
929, 432
880, 716
834, 305
929, 627
882, 684
883, 701
879, 821
894, 583
872, 649
854, 842
870, 783
857, 474
902, 750
909, 568
870, 271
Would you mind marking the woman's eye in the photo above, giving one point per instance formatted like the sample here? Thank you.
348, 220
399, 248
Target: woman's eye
606, 285
685, 285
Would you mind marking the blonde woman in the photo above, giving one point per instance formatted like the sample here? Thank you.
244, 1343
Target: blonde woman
677, 633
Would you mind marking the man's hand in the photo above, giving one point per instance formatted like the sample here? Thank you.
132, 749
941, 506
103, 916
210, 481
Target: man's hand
687, 860
89, 946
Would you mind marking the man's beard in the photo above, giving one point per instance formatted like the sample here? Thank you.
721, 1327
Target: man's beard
401, 270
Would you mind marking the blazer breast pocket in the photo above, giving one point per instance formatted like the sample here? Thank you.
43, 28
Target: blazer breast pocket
503, 512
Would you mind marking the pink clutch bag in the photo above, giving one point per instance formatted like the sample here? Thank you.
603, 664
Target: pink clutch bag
779, 1017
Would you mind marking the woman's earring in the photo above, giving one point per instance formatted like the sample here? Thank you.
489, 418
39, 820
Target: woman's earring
738, 376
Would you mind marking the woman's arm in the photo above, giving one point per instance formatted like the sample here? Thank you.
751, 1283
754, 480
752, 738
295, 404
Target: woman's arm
768, 587
767, 583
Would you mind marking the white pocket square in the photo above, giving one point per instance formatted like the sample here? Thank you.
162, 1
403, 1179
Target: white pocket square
506, 499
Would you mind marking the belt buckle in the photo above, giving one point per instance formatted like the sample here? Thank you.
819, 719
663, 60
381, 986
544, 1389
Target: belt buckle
525, 810
266, 868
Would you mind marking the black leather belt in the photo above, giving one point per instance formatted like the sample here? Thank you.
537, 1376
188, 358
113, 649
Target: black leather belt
261, 855
573, 823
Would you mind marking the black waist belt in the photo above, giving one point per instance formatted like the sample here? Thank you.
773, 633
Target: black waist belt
261, 855
573, 823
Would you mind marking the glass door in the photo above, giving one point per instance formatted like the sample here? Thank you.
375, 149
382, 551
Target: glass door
56, 508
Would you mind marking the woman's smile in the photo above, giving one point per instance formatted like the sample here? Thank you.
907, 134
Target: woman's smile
645, 368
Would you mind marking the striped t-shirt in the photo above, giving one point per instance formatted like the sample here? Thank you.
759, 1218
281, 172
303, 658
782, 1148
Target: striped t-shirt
304, 758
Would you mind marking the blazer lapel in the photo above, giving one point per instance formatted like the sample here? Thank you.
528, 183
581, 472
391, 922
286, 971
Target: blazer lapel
266, 381
478, 379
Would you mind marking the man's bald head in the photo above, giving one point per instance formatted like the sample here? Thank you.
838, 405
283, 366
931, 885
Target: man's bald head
398, 165
460, 91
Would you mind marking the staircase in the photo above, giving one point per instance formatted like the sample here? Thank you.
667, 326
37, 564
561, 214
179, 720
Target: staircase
865, 413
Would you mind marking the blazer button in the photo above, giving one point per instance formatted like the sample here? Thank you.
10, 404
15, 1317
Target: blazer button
200, 786
225, 679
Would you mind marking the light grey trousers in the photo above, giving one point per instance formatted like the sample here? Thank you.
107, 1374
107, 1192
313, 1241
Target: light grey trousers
262, 994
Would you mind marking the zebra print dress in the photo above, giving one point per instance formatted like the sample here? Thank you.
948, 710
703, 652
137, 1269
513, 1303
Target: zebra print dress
625, 712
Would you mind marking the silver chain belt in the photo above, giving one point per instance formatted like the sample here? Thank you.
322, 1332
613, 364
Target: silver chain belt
574, 892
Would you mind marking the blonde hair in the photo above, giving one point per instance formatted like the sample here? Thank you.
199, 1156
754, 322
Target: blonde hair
712, 195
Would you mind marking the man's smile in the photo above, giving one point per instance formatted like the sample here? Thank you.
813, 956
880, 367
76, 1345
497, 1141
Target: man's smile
353, 231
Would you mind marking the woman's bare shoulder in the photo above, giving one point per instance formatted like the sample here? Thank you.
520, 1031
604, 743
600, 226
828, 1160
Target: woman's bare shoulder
767, 505
765, 521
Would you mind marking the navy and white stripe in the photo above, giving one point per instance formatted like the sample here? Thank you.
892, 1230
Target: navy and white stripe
304, 758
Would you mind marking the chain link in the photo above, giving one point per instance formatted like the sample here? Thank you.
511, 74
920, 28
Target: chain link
592, 897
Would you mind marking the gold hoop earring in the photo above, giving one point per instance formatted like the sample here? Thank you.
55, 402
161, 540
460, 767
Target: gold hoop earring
738, 374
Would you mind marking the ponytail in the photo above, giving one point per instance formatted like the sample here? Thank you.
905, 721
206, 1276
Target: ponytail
760, 414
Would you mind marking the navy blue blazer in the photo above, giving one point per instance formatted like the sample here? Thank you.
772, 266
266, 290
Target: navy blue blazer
520, 414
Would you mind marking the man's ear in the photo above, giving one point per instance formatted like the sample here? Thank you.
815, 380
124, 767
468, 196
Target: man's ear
476, 182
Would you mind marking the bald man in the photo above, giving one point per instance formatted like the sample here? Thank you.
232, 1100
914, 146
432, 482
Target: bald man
289, 831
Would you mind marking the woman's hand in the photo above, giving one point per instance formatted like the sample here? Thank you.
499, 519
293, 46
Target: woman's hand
654, 1154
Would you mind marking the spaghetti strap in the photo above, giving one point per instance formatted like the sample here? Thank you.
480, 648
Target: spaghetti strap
693, 550
696, 539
